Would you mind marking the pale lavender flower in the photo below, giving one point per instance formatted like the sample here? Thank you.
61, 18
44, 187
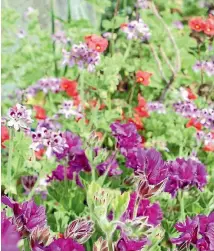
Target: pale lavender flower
186, 109
60, 37
82, 56
49, 84
21, 34
206, 117
178, 24
156, 107
39, 137
19, 117
137, 30
55, 144
205, 66
68, 109
209, 68
142, 4
29, 11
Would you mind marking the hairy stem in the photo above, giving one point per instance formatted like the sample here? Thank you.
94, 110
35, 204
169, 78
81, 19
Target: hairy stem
52, 32
10, 157
113, 25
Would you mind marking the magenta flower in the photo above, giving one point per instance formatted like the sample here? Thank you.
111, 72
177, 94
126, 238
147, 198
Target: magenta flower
145, 208
185, 173
27, 215
64, 245
151, 166
111, 165
125, 244
128, 141
59, 175
198, 231
126, 135
9, 235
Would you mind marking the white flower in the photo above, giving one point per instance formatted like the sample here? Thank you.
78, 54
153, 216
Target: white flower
19, 117
68, 109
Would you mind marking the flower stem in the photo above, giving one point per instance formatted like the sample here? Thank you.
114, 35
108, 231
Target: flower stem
109, 239
127, 50
9, 164
181, 200
82, 86
132, 93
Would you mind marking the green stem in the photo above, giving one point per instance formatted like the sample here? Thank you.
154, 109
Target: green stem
82, 86
181, 201
109, 239
127, 50
53, 31
10, 157
132, 93
69, 10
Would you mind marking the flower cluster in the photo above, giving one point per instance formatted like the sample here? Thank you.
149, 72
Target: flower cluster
189, 110
137, 30
198, 24
45, 85
205, 66
156, 107
86, 55
29, 220
53, 142
197, 231
185, 173
19, 117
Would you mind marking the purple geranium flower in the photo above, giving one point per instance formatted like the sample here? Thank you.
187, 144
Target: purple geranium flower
126, 135
125, 244
111, 165
27, 215
59, 175
145, 208
184, 173
152, 166
128, 141
64, 245
9, 235
198, 231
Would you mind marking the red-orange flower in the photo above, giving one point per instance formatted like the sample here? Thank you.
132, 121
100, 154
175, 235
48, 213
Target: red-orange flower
93, 103
194, 123
70, 86
124, 25
141, 109
39, 154
143, 77
209, 147
197, 24
191, 95
96, 43
40, 112
137, 121
4, 135
209, 27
